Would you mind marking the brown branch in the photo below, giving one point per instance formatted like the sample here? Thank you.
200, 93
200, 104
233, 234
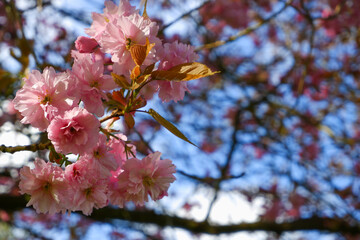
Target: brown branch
114, 115
162, 220
33, 147
212, 182
332, 225
142, 139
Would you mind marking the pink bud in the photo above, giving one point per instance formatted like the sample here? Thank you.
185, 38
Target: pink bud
85, 44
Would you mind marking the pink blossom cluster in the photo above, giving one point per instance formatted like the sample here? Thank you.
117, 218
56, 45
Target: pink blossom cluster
218, 14
90, 183
69, 106
346, 14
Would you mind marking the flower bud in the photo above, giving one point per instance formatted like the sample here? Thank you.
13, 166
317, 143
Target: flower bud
85, 44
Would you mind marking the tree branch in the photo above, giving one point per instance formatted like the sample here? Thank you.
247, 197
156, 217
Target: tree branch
332, 225
33, 147
183, 16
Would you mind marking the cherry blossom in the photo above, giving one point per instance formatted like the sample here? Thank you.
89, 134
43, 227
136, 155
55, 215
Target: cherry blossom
88, 186
111, 14
42, 97
120, 149
126, 31
85, 44
102, 157
67, 105
76, 132
75, 172
46, 185
92, 83
175, 53
149, 176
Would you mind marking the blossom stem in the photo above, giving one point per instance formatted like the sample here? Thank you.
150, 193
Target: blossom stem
143, 111
111, 116
142, 85
107, 133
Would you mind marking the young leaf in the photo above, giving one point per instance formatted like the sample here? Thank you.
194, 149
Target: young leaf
118, 96
149, 69
139, 52
138, 103
129, 119
142, 78
183, 72
135, 72
168, 125
121, 81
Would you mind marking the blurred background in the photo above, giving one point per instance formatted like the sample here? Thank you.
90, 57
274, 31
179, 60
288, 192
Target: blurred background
277, 129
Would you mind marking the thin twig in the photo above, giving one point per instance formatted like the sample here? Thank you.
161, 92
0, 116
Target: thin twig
147, 144
183, 16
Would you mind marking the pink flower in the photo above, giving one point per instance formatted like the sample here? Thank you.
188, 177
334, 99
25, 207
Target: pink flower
174, 54
42, 97
91, 81
46, 185
227, 11
91, 195
76, 132
85, 44
117, 149
117, 191
111, 14
88, 187
75, 173
149, 176
102, 157
126, 30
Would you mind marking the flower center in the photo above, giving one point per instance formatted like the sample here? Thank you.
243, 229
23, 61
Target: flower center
148, 181
76, 173
129, 42
88, 192
72, 130
94, 84
46, 100
47, 187
97, 154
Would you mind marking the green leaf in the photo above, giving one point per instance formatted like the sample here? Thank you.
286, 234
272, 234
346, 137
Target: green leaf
168, 125
183, 72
